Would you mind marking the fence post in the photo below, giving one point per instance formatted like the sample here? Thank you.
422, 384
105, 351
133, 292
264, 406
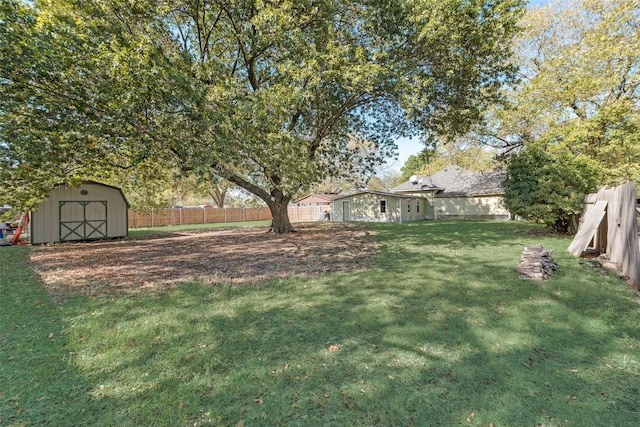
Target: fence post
243, 214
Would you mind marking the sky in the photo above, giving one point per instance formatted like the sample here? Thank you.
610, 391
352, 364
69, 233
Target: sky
408, 147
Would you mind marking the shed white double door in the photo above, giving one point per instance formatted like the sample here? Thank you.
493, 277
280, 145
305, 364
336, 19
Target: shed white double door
82, 220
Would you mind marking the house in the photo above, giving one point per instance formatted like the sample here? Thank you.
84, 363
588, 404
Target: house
379, 206
322, 200
89, 211
313, 206
452, 192
455, 192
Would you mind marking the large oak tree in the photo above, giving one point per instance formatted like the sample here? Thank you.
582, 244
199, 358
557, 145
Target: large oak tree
269, 95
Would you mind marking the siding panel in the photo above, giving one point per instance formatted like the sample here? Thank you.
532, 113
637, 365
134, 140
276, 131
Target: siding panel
45, 219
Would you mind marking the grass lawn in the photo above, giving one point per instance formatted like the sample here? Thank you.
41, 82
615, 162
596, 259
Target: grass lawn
441, 332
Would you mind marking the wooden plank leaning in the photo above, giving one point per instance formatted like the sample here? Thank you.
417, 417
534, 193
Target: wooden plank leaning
588, 228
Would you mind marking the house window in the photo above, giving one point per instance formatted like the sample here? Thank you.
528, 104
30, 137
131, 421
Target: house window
383, 206
409, 205
418, 206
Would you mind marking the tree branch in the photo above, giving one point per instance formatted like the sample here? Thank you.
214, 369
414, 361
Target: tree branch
324, 128
230, 176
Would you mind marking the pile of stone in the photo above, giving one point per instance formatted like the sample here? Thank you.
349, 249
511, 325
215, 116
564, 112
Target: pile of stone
536, 263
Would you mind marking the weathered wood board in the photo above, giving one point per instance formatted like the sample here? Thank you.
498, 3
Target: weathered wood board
623, 245
614, 217
588, 228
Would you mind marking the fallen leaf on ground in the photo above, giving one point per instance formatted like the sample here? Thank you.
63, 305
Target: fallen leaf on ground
334, 348
161, 261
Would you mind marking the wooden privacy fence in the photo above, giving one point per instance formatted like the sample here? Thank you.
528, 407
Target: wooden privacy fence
184, 216
610, 224
309, 213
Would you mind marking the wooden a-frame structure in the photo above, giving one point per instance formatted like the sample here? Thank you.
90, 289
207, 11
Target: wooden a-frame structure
610, 224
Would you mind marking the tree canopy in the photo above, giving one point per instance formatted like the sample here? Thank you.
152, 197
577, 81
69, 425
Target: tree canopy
575, 109
548, 185
269, 95
579, 67
471, 156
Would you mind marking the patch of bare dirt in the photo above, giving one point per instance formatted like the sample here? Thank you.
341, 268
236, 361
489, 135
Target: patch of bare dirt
160, 261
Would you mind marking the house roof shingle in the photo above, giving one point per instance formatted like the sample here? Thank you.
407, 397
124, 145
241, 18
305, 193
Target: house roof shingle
422, 183
456, 181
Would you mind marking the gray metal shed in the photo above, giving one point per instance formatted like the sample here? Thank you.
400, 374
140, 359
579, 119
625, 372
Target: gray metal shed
91, 211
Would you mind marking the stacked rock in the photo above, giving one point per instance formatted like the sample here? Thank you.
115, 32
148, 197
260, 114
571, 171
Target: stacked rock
536, 263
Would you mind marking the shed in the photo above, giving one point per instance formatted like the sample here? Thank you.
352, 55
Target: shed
91, 211
379, 207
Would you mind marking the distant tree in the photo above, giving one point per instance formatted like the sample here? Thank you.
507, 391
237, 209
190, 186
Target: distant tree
335, 185
218, 191
384, 181
239, 198
473, 157
416, 163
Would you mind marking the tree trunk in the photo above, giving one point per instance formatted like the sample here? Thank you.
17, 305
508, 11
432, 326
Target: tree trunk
280, 223
218, 196
277, 201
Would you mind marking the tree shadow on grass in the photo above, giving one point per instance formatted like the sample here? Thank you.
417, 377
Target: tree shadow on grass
402, 357
38, 385
414, 341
